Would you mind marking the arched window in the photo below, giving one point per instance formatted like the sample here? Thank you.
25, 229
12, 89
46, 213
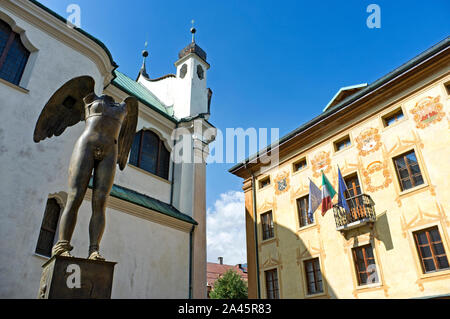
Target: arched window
149, 153
48, 228
13, 54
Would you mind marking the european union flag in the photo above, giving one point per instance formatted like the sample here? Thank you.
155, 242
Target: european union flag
342, 202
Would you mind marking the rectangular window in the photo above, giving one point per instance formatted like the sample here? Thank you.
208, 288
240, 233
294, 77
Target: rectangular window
302, 207
366, 269
393, 117
313, 276
431, 250
272, 284
408, 170
353, 187
301, 164
264, 182
48, 228
342, 143
267, 225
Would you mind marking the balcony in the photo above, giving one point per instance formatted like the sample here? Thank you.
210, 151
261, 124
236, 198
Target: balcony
361, 212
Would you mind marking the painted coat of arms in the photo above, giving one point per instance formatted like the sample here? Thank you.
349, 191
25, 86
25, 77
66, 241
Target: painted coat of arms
376, 176
321, 161
281, 183
368, 141
428, 110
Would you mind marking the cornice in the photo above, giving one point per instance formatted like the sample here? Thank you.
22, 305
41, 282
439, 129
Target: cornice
36, 15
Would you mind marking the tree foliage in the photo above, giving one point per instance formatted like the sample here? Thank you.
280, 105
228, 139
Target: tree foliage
229, 286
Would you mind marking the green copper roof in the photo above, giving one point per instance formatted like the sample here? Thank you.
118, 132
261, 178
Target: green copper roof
147, 202
136, 89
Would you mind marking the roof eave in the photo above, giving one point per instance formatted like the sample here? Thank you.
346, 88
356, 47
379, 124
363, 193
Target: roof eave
365, 92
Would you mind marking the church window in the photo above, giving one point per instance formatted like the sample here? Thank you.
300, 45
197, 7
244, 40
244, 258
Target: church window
149, 153
48, 228
13, 54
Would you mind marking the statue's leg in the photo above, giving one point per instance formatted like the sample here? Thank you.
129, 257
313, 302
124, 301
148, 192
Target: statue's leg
103, 181
81, 165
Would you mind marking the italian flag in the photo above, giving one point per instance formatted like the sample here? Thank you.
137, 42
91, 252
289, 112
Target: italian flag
327, 194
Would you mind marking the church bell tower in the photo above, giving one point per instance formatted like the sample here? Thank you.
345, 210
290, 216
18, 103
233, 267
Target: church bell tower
193, 97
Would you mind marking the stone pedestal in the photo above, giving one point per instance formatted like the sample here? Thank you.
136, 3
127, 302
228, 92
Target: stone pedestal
76, 278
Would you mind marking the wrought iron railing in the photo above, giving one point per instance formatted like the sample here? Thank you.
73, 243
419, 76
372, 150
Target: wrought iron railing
361, 209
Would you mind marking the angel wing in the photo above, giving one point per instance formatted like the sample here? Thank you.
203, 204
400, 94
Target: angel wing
127, 131
65, 108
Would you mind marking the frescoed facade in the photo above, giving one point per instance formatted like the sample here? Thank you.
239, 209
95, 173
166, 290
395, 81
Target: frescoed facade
391, 141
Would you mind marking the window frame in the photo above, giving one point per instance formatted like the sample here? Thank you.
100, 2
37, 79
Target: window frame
296, 169
267, 228
447, 87
366, 264
309, 222
430, 244
263, 180
316, 281
161, 146
274, 290
391, 114
14, 37
343, 139
48, 230
410, 176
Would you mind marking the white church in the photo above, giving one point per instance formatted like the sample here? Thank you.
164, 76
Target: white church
156, 212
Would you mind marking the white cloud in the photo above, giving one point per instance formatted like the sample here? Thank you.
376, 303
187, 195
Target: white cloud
225, 226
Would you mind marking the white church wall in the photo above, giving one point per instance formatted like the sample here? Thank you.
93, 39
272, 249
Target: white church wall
163, 89
30, 172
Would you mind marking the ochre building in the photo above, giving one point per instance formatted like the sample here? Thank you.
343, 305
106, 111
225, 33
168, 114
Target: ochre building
391, 141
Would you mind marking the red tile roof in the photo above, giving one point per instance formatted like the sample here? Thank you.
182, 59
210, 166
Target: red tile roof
214, 271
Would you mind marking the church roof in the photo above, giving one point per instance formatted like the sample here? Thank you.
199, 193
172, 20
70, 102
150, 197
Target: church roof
192, 48
146, 201
146, 97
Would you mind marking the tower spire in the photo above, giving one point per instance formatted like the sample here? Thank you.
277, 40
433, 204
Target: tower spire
143, 70
193, 30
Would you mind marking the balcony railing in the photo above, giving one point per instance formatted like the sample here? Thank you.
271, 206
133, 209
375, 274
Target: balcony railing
361, 212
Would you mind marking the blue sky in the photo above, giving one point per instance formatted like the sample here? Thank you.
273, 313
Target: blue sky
273, 63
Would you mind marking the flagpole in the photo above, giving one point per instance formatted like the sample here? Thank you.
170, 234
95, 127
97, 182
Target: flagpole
348, 193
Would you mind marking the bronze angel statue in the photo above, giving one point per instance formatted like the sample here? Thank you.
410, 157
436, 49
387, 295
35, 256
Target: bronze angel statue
106, 140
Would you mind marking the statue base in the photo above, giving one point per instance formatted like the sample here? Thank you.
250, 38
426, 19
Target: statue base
76, 278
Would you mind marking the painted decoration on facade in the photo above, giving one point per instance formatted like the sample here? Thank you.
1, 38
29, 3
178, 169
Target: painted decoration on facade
368, 141
281, 183
376, 176
427, 111
321, 161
